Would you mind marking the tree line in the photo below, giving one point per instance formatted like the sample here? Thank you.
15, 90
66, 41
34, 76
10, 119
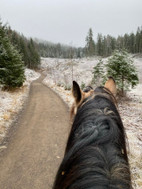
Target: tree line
28, 48
102, 46
52, 50
31, 50
105, 45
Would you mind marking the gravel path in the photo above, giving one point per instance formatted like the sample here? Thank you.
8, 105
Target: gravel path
33, 153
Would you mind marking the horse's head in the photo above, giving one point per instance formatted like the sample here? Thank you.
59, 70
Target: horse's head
81, 96
95, 155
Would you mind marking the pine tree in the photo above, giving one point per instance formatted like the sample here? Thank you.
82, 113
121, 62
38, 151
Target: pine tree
98, 73
35, 59
132, 43
11, 65
122, 69
90, 44
100, 45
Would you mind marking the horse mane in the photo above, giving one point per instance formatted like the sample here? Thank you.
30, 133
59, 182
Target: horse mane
95, 155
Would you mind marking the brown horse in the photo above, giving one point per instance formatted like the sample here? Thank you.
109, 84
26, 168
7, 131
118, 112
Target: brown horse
95, 155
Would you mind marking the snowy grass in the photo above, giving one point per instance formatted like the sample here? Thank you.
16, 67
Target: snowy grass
131, 113
11, 102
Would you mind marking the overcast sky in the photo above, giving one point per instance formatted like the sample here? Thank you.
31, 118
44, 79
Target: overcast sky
68, 21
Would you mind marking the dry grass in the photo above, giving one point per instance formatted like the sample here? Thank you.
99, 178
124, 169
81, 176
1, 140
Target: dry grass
10, 104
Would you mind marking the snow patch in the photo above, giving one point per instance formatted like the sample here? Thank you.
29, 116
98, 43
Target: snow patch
31, 75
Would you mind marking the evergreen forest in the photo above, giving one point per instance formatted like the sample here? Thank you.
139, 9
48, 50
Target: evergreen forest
28, 48
105, 45
102, 46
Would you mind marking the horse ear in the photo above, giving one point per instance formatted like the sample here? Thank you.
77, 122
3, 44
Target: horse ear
111, 85
76, 91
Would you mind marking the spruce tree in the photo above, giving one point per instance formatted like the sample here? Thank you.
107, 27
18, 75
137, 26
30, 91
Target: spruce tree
98, 73
100, 45
35, 59
120, 66
11, 65
90, 44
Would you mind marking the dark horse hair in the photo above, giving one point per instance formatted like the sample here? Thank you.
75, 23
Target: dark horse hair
95, 155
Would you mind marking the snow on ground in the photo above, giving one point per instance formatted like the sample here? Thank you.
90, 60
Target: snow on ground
11, 102
59, 78
130, 109
60, 70
138, 64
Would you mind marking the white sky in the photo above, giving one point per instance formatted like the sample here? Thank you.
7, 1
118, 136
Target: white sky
68, 21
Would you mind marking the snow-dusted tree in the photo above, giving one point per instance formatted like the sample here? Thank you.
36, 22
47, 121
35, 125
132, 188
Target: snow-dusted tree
90, 44
100, 45
98, 73
11, 65
120, 66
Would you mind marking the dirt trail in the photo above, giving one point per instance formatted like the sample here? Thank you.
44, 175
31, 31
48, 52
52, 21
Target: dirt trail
37, 146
